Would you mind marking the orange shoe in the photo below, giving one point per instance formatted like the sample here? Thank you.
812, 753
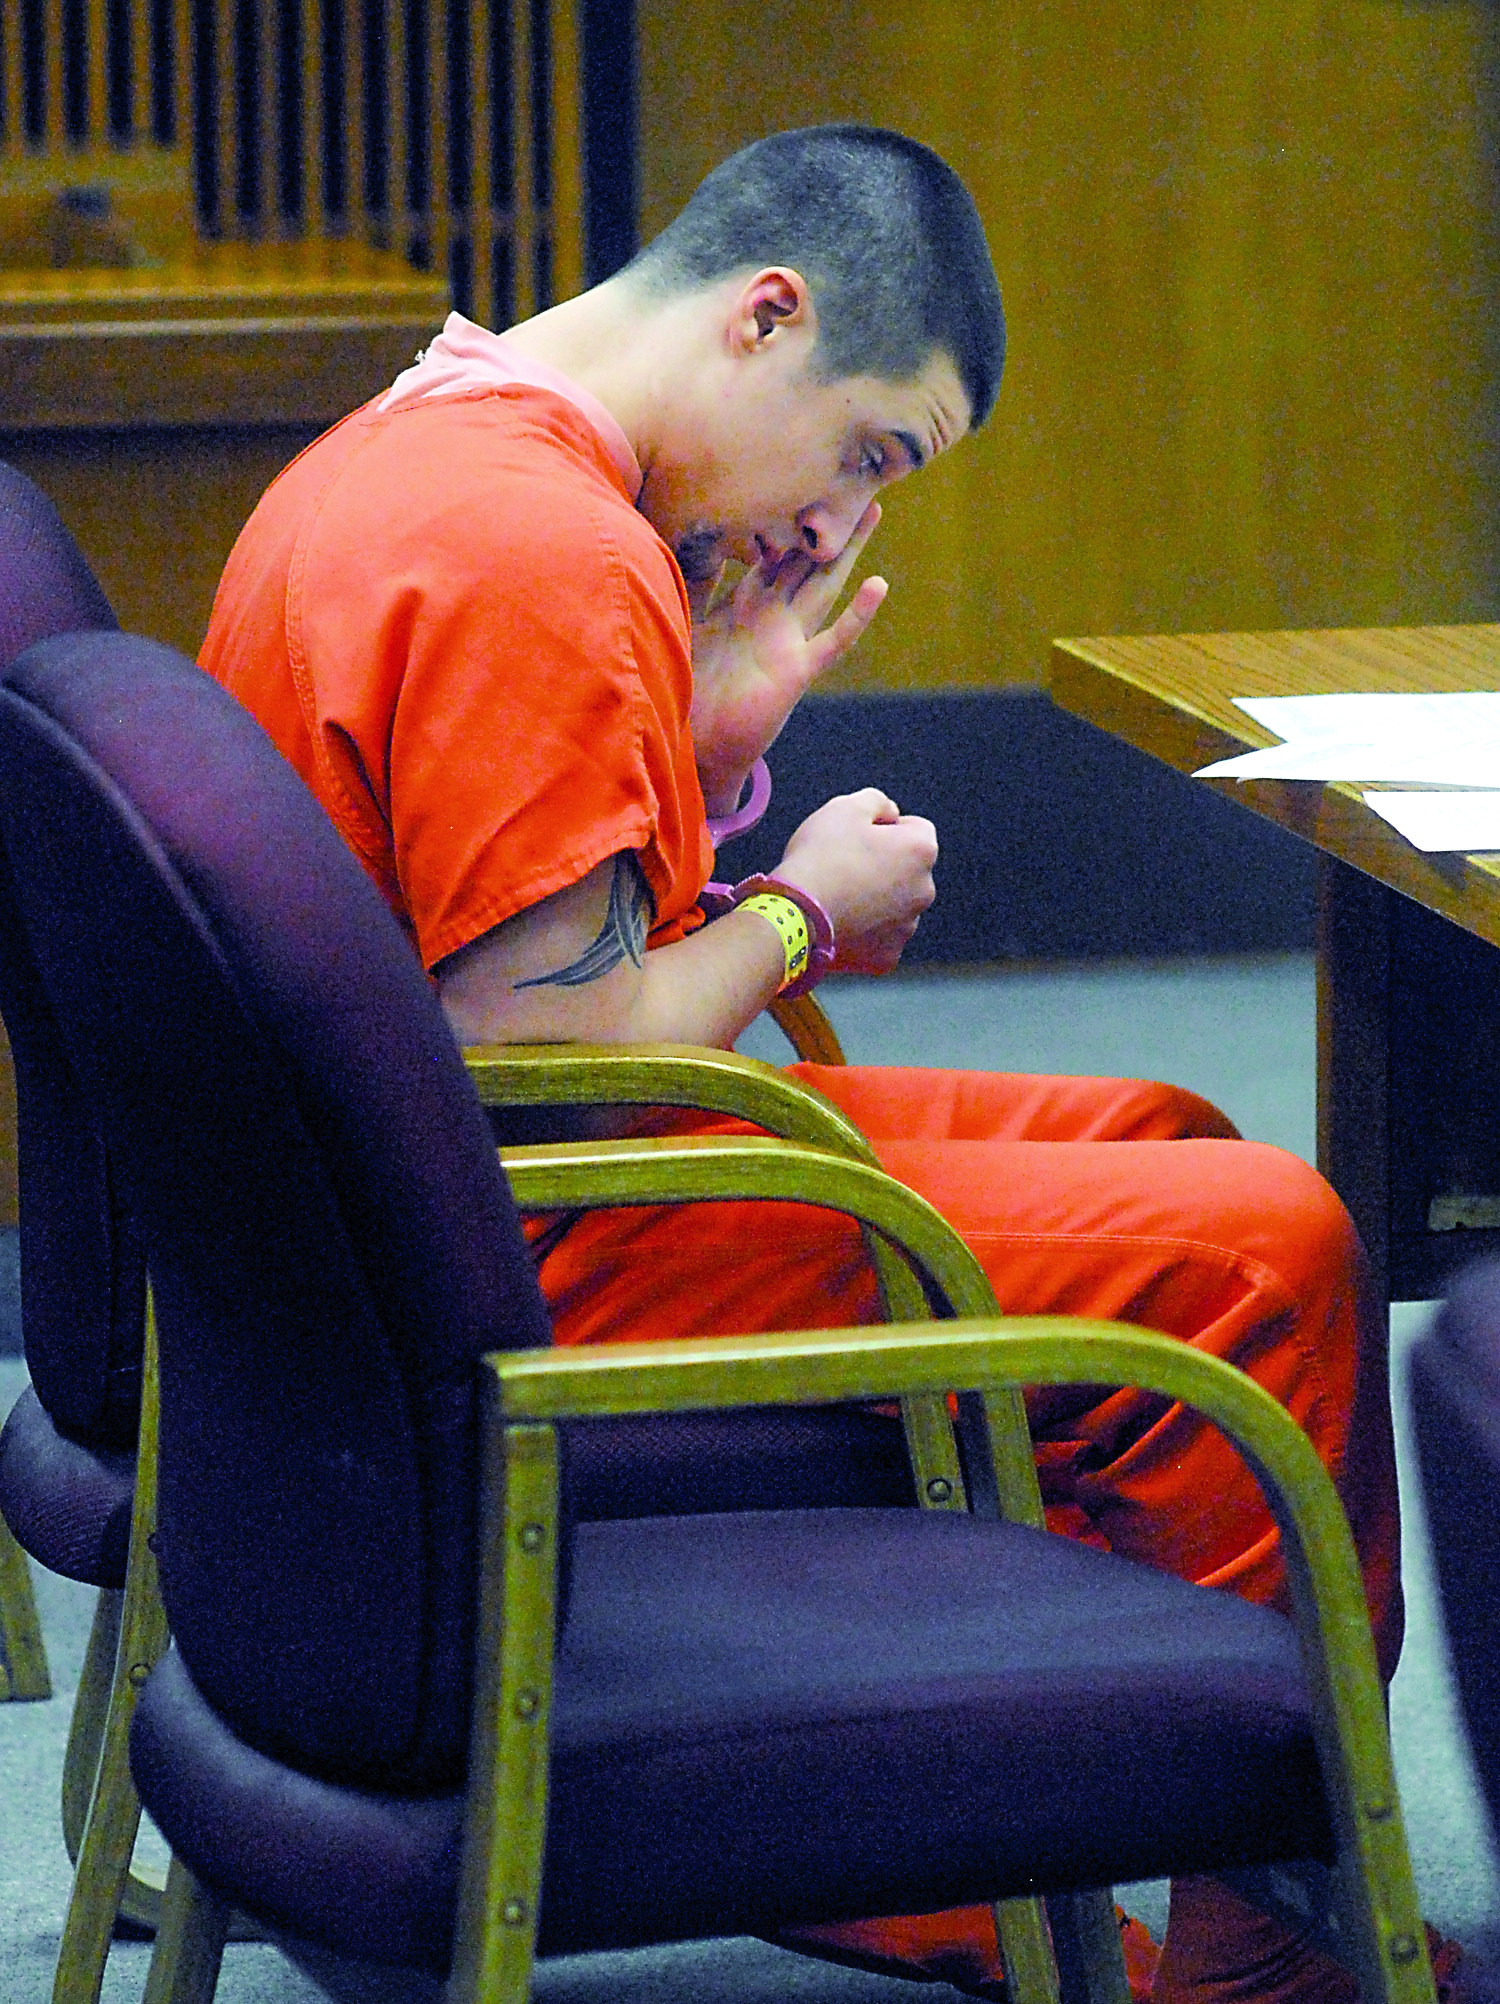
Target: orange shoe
958, 1948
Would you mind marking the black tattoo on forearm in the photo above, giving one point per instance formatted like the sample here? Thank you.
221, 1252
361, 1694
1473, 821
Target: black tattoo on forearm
622, 935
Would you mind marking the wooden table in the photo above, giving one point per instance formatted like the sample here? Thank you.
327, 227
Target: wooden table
1408, 944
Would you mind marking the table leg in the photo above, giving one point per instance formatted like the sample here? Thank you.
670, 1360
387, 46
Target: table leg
1408, 1081
1354, 1053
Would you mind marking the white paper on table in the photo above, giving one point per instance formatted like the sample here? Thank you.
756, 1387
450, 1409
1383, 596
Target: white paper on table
1469, 822
1433, 740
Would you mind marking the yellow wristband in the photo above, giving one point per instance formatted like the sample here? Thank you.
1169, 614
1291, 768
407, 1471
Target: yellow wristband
790, 922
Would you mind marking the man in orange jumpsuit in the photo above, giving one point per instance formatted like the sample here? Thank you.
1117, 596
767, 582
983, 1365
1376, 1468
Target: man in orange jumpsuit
527, 619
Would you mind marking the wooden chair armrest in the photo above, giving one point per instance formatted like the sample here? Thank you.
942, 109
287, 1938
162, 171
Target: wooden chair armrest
599, 1175
919, 1260
687, 1075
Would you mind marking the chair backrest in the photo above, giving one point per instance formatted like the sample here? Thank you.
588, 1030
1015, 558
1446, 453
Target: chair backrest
46, 586
331, 1243
1455, 1388
82, 1275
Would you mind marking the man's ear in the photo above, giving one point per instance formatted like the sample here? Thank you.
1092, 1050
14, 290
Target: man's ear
774, 303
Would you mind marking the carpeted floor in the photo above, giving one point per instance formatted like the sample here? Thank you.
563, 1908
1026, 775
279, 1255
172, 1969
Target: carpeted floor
1240, 1032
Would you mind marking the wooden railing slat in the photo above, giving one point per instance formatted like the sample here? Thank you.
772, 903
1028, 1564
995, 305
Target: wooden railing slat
226, 133
439, 164
355, 123
54, 129
314, 217
481, 180
182, 72
398, 77
14, 99
140, 72
96, 37
264, 108
523, 182
567, 152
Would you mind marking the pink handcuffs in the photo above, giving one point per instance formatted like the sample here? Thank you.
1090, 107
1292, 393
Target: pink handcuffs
716, 899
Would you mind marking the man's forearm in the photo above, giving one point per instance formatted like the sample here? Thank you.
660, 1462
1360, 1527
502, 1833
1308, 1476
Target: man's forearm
708, 988
704, 989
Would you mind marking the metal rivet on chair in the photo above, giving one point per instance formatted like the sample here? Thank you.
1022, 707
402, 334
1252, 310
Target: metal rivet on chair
138, 1673
533, 1537
528, 1704
513, 1913
939, 1489
1403, 1948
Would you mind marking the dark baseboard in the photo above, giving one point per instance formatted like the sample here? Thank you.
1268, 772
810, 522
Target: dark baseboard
1058, 842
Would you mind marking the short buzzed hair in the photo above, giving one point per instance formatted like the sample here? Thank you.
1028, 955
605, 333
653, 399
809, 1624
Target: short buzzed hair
885, 234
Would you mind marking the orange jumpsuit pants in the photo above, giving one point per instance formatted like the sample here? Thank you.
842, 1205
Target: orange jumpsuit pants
1107, 1198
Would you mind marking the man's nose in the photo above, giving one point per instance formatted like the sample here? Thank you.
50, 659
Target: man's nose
826, 527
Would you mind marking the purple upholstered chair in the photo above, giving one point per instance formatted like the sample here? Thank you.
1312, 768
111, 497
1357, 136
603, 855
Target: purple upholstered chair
67, 1455
47, 588
756, 1719
67, 1450
1455, 1391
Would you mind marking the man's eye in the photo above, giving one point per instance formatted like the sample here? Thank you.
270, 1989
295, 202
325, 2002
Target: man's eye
872, 461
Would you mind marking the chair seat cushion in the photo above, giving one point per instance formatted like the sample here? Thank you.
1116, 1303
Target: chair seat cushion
768, 1718
68, 1505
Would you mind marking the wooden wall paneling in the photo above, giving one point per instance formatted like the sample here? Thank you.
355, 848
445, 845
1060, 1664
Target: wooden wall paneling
523, 215
567, 152
481, 165
157, 513
1249, 258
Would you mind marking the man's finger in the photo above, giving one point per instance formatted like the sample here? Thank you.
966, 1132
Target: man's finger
825, 648
818, 591
793, 572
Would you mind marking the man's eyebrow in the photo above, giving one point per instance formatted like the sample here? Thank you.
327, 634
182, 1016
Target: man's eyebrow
912, 446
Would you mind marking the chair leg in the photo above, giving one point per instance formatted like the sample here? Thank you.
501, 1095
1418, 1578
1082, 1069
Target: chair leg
190, 1944
103, 1865
1026, 1951
23, 1659
1086, 1943
90, 1714
103, 1875
140, 1899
